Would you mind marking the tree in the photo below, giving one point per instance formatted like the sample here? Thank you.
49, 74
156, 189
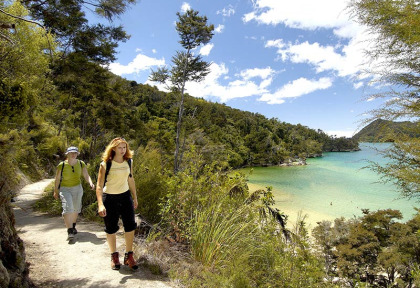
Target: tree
381, 223
193, 31
82, 84
24, 63
396, 52
25, 56
67, 21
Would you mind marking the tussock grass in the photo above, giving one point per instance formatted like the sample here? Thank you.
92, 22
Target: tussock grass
218, 235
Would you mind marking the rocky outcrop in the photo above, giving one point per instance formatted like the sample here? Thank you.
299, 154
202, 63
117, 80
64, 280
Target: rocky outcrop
14, 270
293, 162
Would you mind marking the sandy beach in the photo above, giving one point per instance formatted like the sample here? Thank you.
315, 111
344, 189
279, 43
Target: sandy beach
285, 204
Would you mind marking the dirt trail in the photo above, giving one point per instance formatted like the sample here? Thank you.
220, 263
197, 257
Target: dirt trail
54, 262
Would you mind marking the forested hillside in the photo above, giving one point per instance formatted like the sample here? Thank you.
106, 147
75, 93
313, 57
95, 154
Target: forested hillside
386, 131
232, 137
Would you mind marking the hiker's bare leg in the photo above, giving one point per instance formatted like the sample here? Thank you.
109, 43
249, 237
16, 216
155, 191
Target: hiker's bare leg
69, 219
112, 242
129, 238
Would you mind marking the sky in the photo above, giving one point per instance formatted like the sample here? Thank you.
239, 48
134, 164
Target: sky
298, 61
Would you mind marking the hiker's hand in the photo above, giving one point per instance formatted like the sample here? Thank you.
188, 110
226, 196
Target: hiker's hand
102, 211
55, 195
92, 186
135, 203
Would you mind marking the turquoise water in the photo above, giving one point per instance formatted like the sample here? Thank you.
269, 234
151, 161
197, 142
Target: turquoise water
332, 186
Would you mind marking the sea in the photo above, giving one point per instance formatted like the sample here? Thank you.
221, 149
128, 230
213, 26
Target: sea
332, 186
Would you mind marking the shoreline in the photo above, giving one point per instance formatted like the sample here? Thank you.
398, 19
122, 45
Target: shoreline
312, 217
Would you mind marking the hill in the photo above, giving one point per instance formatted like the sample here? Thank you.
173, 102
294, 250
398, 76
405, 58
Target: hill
386, 131
230, 136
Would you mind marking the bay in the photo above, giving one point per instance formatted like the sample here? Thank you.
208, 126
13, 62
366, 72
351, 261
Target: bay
331, 186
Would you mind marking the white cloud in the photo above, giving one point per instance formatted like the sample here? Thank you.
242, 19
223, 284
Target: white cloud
296, 88
185, 7
345, 60
302, 14
257, 72
251, 37
140, 63
154, 51
205, 50
227, 11
251, 82
341, 133
219, 29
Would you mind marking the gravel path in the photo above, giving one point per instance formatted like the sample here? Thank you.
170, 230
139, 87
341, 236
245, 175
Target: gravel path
85, 262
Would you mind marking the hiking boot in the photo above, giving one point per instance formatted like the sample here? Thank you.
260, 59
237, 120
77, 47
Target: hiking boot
70, 234
115, 261
129, 260
74, 229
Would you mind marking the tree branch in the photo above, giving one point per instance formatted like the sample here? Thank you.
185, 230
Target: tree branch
6, 38
29, 21
21, 18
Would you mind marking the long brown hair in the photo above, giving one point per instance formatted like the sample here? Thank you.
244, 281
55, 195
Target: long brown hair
109, 152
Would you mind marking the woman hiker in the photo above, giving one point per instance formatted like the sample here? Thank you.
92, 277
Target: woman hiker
69, 187
116, 194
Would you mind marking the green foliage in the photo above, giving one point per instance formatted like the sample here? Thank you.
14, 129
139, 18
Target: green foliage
374, 249
396, 48
68, 22
23, 67
218, 234
10, 175
404, 166
47, 203
231, 233
151, 180
193, 29
194, 188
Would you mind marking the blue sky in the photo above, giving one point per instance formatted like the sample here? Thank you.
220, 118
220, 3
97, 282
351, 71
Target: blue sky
298, 61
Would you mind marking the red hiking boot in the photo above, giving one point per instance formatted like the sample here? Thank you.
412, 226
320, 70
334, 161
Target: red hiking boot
115, 261
129, 261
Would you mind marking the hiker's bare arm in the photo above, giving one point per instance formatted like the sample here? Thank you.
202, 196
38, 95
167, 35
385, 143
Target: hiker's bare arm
57, 182
99, 191
87, 178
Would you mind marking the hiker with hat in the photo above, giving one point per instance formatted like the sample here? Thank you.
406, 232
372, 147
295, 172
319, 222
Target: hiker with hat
69, 188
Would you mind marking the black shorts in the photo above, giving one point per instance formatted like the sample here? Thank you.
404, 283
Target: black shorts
119, 205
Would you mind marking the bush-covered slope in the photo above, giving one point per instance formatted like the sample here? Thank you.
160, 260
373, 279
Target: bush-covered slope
386, 131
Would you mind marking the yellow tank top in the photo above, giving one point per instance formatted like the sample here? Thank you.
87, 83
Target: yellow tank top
71, 174
117, 179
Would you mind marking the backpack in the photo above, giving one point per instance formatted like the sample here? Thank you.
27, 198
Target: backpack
61, 174
108, 167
